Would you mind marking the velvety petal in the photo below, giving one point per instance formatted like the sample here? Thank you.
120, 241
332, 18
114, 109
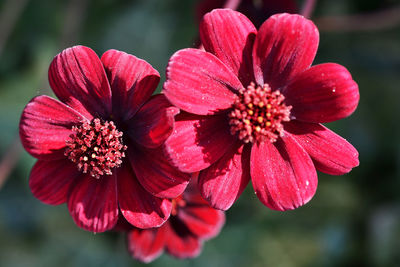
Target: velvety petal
285, 46
230, 35
198, 141
223, 182
202, 220
200, 83
93, 203
283, 175
50, 180
132, 80
331, 153
180, 243
323, 93
139, 207
153, 123
146, 245
156, 174
78, 79
45, 125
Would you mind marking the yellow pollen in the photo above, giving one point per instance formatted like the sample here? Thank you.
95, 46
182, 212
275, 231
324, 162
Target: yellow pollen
93, 156
247, 121
261, 104
250, 105
85, 158
269, 106
258, 129
96, 148
268, 114
260, 119
250, 112
268, 123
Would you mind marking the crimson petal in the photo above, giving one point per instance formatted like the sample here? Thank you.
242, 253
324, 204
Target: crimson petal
155, 173
146, 244
285, 46
180, 242
230, 35
153, 123
202, 220
283, 174
50, 180
132, 80
198, 141
323, 93
45, 125
223, 182
78, 79
200, 83
93, 203
140, 208
331, 153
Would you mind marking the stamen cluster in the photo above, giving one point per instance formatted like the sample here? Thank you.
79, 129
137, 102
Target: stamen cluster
96, 147
177, 203
258, 113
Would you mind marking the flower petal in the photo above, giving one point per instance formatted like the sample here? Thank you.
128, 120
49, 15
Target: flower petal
285, 46
93, 203
180, 242
331, 153
45, 125
323, 93
223, 182
140, 208
229, 35
78, 79
283, 174
200, 83
202, 220
155, 173
132, 80
198, 141
50, 180
146, 244
153, 123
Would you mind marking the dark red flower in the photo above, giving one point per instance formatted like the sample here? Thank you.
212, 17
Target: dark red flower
256, 10
191, 223
99, 147
253, 108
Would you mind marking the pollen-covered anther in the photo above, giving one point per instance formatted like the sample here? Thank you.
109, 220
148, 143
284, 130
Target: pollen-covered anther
96, 147
258, 113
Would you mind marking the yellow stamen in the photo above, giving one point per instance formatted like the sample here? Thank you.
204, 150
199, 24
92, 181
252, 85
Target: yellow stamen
261, 104
260, 119
250, 112
268, 123
258, 129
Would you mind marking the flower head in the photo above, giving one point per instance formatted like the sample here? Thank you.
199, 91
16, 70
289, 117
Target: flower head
253, 109
100, 147
191, 223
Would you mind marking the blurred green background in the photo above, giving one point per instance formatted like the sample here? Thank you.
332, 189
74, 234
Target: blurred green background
353, 220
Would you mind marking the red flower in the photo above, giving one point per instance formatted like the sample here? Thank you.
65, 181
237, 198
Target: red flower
192, 221
254, 107
256, 11
99, 147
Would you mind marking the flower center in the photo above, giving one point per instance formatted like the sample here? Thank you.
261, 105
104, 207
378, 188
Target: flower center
177, 203
258, 113
96, 147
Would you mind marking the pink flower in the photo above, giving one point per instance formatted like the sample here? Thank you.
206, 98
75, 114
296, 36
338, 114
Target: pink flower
100, 147
253, 108
256, 11
191, 223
